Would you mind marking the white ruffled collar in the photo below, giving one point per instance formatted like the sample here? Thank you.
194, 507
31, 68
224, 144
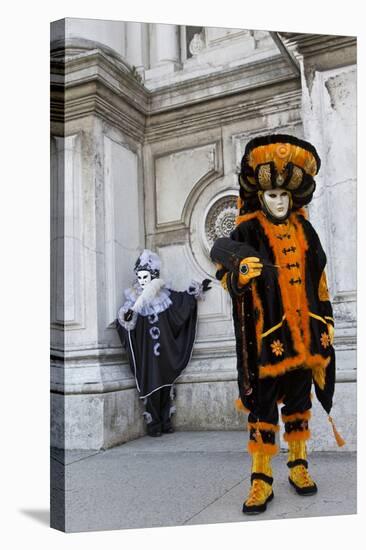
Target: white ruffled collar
157, 303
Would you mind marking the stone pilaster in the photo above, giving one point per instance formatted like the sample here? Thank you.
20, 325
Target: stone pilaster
135, 45
164, 50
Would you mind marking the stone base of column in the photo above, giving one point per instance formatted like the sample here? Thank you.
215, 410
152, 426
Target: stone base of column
95, 421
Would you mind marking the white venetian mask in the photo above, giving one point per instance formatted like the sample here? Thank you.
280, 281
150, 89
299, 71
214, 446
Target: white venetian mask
144, 278
277, 202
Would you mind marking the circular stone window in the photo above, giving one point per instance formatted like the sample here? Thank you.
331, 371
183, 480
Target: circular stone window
220, 219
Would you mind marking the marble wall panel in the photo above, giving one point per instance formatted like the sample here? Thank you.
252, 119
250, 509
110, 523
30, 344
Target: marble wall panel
67, 263
176, 175
122, 225
329, 118
329, 112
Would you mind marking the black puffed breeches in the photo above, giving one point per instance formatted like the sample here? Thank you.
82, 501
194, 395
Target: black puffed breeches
293, 390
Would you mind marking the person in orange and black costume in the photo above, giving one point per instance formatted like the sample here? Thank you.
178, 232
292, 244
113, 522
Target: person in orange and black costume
273, 266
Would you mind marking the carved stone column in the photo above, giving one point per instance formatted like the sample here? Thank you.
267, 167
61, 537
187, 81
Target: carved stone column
165, 52
134, 44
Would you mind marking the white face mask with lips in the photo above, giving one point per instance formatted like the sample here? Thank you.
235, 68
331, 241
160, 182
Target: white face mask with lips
277, 201
144, 278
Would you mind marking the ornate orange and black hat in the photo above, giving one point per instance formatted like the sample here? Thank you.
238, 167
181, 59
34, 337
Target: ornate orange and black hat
279, 161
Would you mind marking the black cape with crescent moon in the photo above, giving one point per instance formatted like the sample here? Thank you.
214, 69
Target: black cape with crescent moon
160, 345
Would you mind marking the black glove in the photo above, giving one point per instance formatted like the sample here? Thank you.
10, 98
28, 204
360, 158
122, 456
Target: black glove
206, 285
128, 315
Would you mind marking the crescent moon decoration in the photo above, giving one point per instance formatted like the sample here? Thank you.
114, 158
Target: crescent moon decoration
154, 333
156, 349
153, 318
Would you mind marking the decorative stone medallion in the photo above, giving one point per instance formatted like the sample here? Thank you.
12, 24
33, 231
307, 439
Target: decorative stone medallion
220, 219
196, 45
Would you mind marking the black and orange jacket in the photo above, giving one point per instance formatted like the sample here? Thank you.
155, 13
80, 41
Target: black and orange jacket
287, 308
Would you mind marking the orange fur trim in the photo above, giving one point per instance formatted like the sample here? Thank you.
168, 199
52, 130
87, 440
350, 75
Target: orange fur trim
319, 376
264, 448
317, 363
257, 303
303, 212
240, 407
263, 426
239, 203
258, 214
291, 295
247, 217
306, 415
297, 436
323, 292
281, 367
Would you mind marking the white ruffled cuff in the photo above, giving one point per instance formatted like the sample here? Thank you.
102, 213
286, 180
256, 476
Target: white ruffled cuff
196, 289
128, 325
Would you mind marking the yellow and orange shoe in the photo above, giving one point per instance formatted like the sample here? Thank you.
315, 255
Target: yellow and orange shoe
259, 495
301, 480
299, 476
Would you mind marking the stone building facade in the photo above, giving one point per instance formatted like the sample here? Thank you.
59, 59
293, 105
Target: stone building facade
149, 123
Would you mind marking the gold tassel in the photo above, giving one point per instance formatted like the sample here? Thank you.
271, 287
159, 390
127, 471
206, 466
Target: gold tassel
339, 439
258, 435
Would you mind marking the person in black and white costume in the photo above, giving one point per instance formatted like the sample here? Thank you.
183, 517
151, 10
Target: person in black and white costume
157, 327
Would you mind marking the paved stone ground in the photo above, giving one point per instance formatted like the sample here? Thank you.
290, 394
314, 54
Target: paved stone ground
190, 478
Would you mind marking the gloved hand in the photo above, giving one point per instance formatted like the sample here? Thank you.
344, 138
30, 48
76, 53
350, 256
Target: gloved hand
330, 333
249, 268
206, 285
128, 315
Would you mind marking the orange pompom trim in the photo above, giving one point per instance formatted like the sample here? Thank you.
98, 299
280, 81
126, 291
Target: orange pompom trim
264, 448
297, 436
240, 407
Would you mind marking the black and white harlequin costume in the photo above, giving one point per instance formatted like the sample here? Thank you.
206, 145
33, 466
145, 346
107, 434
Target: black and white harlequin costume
157, 327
